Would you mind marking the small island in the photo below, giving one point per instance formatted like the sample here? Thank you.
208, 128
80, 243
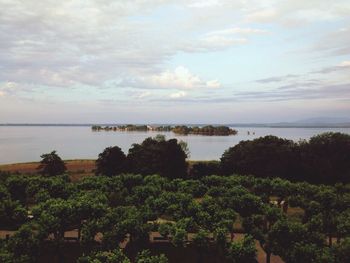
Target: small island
208, 130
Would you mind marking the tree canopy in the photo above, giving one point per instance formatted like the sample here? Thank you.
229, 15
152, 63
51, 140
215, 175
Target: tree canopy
152, 156
111, 161
51, 164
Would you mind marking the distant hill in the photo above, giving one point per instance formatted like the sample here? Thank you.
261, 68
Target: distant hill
324, 120
320, 122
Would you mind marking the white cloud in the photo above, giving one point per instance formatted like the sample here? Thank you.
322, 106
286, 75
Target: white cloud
180, 78
296, 12
10, 85
213, 83
205, 4
345, 64
265, 15
222, 39
93, 42
8, 88
178, 95
237, 30
143, 94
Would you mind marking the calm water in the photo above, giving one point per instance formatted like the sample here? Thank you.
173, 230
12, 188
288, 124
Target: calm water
25, 144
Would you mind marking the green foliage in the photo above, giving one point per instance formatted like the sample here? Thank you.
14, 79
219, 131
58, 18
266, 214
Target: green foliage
267, 156
51, 164
112, 256
200, 169
325, 158
179, 237
198, 214
152, 156
111, 161
201, 239
242, 251
206, 130
146, 257
24, 246
12, 213
342, 251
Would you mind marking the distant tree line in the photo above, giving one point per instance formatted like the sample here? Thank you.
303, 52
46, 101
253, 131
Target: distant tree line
208, 130
205, 130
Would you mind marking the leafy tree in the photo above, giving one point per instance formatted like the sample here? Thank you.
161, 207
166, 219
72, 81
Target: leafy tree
201, 169
342, 251
310, 253
55, 216
24, 245
17, 187
184, 147
343, 224
326, 158
259, 226
146, 257
267, 156
152, 156
242, 251
12, 214
327, 200
179, 238
51, 164
111, 161
165, 229
112, 256
201, 242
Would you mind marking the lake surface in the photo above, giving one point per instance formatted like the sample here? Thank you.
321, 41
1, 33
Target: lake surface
27, 143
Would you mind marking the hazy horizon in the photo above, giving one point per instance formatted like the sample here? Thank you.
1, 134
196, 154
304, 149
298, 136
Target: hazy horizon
214, 61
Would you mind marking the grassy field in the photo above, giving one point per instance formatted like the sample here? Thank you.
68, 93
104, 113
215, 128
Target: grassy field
77, 169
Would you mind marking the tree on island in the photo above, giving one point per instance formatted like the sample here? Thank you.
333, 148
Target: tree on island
111, 162
51, 164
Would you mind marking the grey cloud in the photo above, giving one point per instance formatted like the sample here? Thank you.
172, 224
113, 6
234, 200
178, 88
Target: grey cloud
277, 79
298, 92
333, 69
64, 43
334, 43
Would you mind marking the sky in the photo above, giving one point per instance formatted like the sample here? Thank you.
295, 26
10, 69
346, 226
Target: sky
164, 61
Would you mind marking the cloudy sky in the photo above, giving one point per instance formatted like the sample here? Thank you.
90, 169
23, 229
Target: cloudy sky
159, 61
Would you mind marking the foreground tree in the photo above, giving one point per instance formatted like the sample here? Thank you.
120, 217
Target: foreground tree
111, 162
242, 251
24, 246
113, 256
326, 158
146, 257
153, 156
267, 156
51, 164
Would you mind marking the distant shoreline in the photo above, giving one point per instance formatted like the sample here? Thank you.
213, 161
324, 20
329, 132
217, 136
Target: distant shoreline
236, 125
